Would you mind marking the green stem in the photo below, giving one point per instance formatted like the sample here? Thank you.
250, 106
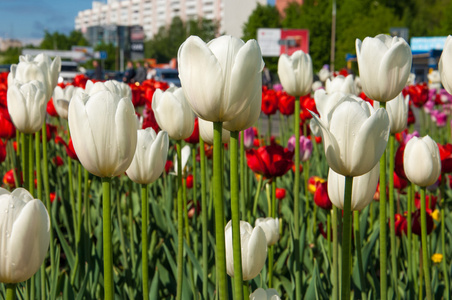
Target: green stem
258, 192
242, 177
425, 258
195, 180
235, 214
205, 269
246, 290
180, 223
346, 239
269, 129
219, 211
328, 234
11, 291
306, 191
383, 226
358, 245
335, 271
392, 216
71, 192
410, 249
107, 244
443, 240
296, 189
31, 184
144, 240
271, 250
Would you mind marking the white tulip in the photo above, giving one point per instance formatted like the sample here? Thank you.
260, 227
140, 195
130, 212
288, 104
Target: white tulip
254, 250
444, 65
25, 235
150, 156
27, 105
261, 294
219, 78
61, 98
173, 113
114, 86
271, 229
206, 132
341, 84
384, 64
397, 111
185, 155
295, 73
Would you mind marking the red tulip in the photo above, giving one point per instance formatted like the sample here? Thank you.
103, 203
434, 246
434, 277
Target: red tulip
269, 102
398, 162
194, 137
270, 161
2, 151
168, 166
149, 119
58, 161
418, 94
53, 196
399, 224
51, 108
445, 152
286, 104
367, 99
70, 151
8, 178
189, 181
307, 104
313, 183
399, 183
430, 206
411, 118
7, 129
321, 198
416, 222
280, 193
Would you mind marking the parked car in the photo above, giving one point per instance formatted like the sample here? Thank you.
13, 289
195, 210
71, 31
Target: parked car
171, 76
69, 69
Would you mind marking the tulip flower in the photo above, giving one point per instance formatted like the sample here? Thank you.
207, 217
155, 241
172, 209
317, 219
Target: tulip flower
269, 102
150, 156
286, 104
363, 188
194, 137
444, 65
340, 84
104, 132
119, 88
270, 161
40, 68
416, 222
421, 161
50, 108
2, 151
206, 132
321, 198
220, 78
430, 201
25, 235
7, 129
280, 193
27, 105
313, 183
324, 103
173, 113
399, 224
305, 147
354, 135
254, 249
398, 112
445, 153
261, 294
248, 138
384, 64
271, 229
185, 155
295, 73
61, 98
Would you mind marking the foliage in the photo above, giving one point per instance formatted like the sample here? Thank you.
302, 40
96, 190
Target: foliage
60, 41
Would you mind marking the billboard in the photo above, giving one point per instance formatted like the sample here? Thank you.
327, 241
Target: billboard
277, 41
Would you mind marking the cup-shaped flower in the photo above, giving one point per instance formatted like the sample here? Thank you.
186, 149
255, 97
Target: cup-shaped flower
261, 294
341, 84
206, 132
295, 73
254, 249
321, 198
25, 235
363, 188
271, 229
116, 87
354, 135
173, 113
421, 161
444, 65
384, 64
104, 132
27, 105
248, 138
61, 98
305, 147
185, 154
270, 161
398, 113
40, 68
219, 78
150, 156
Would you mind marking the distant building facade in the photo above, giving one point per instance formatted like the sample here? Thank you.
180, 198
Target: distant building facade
153, 14
282, 4
5, 44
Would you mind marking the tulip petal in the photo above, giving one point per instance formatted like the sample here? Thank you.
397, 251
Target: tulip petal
253, 255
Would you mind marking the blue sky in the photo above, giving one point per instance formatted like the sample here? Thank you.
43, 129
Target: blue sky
26, 20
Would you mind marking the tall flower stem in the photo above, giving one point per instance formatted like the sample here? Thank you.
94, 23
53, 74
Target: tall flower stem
358, 244
243, 177
335, 269
235, 214
144, 240
180, 222
410, 269
205, 269
425, 258
296, 189
383, 220
256, 196
346, 238
108, 255
271, 252
39, 196
219, 210
11, 291
391, 216
443, 241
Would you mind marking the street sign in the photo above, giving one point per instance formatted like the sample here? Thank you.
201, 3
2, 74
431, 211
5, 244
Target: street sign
276, 41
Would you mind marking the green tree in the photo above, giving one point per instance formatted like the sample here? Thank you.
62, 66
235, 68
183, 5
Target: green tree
60, 41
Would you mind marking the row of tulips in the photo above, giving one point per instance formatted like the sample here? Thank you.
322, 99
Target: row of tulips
192, 250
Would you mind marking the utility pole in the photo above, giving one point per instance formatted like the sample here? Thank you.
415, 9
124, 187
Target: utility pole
333, 36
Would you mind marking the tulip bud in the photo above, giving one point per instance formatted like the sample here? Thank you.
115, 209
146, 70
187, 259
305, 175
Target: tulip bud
444, 65
150, 156
295, 73
305, 147
254, 250
185, 154
384, 64
61, 98
321, 198
421, 161
220, 79
341, 84
363, 188
27, 105
261, 294
104, 132
271, 229
206, 132
173, 113
25, 235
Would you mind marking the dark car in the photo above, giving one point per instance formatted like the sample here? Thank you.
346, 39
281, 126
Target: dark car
170, 76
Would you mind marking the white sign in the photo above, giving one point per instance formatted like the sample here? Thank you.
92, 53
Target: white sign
268, 40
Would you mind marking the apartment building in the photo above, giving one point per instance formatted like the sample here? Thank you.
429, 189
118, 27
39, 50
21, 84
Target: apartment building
153, 14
